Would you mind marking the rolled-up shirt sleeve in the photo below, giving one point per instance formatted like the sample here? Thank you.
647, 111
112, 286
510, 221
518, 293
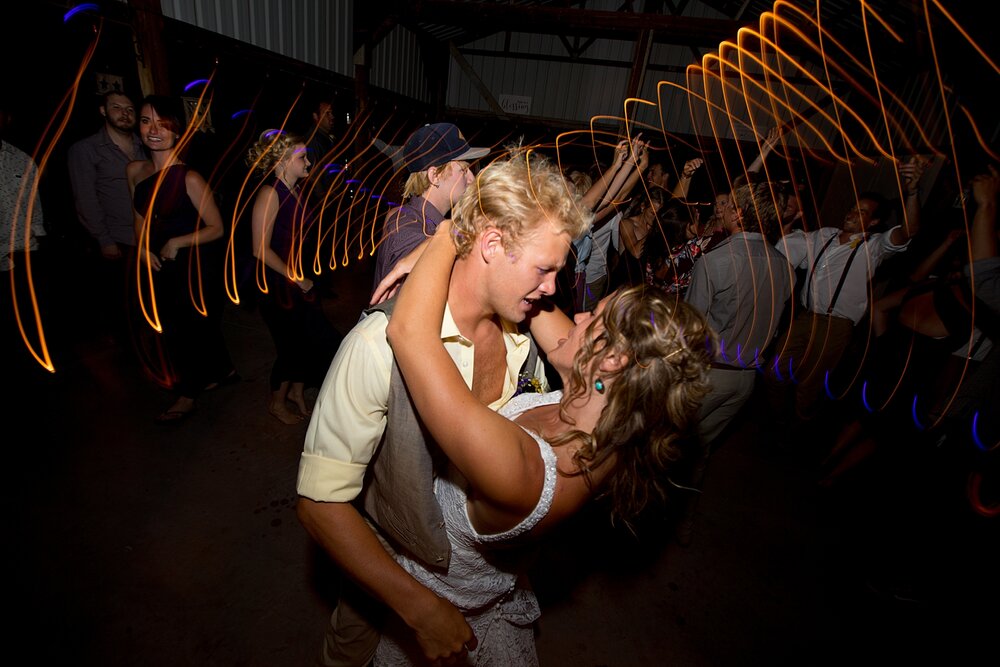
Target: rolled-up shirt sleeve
795, 248
349, 416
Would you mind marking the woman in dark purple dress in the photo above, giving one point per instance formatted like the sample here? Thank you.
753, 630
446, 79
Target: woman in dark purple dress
178, 226
303, 337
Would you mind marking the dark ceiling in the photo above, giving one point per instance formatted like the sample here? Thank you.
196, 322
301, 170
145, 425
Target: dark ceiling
462, 21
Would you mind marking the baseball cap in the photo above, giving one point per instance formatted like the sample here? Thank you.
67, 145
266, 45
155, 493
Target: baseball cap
435, 145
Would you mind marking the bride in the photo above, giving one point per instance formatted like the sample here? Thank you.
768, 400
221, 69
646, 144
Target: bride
634, 371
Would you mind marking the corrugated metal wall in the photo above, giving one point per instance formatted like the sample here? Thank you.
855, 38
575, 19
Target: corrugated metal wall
398, 65
317, 32
573, 91
520, 65
675, 113
560, 90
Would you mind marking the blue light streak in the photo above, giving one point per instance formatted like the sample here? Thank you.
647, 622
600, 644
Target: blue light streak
85, 7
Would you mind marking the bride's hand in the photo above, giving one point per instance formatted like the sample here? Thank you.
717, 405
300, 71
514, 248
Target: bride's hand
393, 280
387, 288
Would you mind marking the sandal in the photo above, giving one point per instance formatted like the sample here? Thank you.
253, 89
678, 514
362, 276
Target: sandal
173, 416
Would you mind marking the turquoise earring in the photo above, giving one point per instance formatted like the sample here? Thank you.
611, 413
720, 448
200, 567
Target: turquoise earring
599, 386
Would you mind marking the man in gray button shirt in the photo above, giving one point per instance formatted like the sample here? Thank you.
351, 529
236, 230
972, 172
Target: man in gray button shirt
104, 205
97, 176
741, 286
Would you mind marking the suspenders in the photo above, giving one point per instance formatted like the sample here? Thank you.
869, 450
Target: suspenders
843, 276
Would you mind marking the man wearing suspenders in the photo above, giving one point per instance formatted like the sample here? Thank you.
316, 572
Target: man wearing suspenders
839, 263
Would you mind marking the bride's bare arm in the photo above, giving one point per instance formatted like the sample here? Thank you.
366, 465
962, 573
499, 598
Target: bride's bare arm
501, 462
548, 326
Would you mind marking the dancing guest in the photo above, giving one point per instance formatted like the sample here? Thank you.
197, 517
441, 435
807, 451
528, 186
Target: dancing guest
302, 335
178, 225
634, 230
670, 252
438, 159
97, 167
839, 264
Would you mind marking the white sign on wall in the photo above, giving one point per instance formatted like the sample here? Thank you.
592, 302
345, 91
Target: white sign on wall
515, 103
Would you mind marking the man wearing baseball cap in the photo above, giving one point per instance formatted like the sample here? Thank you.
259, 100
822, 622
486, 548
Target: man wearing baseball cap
437, 158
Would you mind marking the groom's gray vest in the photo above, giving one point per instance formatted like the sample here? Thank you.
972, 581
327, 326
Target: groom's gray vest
398, 492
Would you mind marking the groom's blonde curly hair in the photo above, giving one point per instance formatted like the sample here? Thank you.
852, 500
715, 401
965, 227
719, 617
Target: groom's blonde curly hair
514, 195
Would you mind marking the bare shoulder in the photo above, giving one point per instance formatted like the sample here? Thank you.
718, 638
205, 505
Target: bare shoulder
139, 170
266, 201
266, 191
193, 179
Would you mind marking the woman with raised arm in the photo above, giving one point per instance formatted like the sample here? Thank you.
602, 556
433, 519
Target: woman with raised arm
178, 225
634, 371
303, 338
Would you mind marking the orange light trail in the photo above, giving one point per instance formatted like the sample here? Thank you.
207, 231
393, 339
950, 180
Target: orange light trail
68, 102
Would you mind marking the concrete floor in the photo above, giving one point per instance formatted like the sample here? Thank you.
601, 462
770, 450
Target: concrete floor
137, 544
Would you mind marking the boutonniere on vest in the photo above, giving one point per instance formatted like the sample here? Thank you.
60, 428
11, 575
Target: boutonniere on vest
528, 384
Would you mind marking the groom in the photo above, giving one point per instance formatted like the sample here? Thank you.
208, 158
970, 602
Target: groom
512, 235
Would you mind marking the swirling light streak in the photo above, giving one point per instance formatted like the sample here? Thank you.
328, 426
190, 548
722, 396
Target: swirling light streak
239, 209
902, 373
829, 394
913, 413
195, 84
864, 396
336, 193
387, 177
150, 311
229, 274
770, 86
978, 134
726, 111
975, 431
842, 72
242, 203
825, 88
336, 196
369, 213
66, 104
79, 9
937, 69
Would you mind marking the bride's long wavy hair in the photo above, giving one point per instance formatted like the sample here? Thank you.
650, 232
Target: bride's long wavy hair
652, 401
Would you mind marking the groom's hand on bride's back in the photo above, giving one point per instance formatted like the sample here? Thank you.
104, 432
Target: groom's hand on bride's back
443, 634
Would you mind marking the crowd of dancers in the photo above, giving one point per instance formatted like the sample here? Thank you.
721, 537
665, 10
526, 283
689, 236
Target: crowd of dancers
609, 327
